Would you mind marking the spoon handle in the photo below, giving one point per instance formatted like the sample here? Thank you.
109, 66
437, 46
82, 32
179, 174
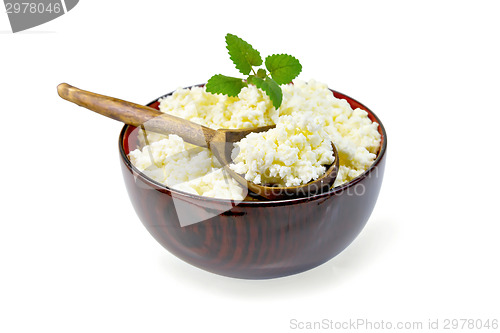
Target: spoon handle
138, 115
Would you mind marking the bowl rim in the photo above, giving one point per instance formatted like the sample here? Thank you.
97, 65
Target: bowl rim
336, 190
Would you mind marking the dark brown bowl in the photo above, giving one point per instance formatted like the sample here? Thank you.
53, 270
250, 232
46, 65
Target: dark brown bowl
254, 239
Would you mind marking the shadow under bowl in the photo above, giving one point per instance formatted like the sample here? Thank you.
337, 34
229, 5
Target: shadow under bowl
254, 239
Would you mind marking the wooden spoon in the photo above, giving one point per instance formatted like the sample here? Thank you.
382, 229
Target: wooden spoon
220, 142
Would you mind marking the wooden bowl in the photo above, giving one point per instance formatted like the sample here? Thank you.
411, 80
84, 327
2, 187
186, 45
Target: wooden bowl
254, 239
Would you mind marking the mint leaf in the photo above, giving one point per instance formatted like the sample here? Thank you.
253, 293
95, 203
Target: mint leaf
243, 55
221, 84
283, 67
270, 87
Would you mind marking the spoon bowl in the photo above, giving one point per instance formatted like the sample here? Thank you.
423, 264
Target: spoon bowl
220, 142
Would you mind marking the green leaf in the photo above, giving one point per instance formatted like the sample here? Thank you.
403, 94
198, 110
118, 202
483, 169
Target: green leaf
270, 87
283, 67
221, 84
243, 55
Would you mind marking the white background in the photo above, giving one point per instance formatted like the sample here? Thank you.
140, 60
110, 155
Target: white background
74, 257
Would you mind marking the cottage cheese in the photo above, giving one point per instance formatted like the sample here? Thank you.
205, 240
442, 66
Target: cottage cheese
252, 108
186, 167
355, 136
293, 153
308, 118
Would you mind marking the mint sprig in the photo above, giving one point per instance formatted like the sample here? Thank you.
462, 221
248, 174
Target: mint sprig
283, 68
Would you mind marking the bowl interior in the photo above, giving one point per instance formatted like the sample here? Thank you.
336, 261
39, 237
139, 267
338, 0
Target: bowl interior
129, 140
